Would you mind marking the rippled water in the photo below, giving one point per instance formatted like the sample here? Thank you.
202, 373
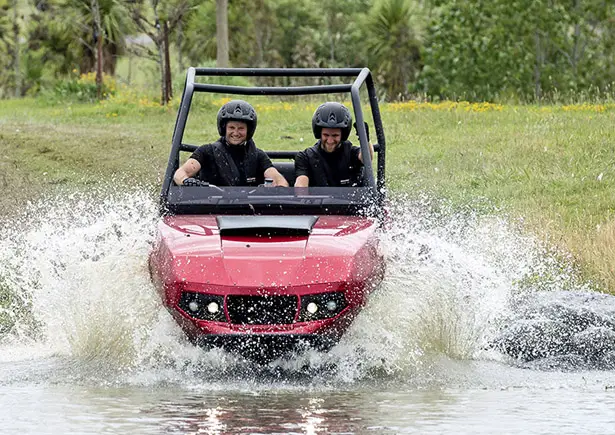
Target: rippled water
476, 329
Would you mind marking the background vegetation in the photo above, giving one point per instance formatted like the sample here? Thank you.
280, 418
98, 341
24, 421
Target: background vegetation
476, 50
506, 101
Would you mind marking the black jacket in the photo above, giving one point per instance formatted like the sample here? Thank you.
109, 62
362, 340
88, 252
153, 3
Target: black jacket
341, 168
222, 165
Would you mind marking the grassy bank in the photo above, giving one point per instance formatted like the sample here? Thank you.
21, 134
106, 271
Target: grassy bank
552, 165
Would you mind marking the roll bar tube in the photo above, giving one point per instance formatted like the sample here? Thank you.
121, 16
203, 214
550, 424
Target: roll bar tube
362, 76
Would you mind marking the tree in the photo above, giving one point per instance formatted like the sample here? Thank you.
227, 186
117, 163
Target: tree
261, 32
5, 45
98, 39
90, 18
527, 49
157, 19
586, 45
53, 49
393, 47
16, 50
345, 32
103, 22
10, 47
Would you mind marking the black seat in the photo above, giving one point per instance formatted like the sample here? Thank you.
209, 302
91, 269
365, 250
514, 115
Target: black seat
287, 169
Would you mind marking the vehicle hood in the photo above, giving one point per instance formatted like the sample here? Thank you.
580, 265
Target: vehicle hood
192, 250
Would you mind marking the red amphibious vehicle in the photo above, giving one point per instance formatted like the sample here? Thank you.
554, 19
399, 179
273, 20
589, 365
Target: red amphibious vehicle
266, 271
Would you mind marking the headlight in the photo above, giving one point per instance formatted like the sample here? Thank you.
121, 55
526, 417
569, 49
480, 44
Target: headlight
321, 306
203, 306
312, 307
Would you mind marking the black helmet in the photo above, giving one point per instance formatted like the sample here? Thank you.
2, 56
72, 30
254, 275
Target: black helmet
332, 115
237, 110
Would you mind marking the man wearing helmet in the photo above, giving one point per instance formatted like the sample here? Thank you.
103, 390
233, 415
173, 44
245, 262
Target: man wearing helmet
332, 161
233, 160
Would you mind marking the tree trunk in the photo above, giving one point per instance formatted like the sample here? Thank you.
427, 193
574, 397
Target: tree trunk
167, 63
537, 66
98, 36
163, 82
159, 41
260, 30
99, 67
180, 43
16, 49
222, 33
129, 78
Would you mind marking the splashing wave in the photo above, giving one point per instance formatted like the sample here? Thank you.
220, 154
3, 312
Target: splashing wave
459, 286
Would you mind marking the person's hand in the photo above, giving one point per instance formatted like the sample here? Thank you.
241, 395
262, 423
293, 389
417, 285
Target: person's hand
194, 182
366, 129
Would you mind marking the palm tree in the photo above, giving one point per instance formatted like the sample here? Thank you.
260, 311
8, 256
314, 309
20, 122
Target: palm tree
393, 46
114, 25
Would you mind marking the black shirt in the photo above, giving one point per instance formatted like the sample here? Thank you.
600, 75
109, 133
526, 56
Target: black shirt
250, 162
341, 167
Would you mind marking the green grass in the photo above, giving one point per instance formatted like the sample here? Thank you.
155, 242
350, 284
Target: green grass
552, 166
520, 157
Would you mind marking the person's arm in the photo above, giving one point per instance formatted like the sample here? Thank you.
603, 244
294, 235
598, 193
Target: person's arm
302, 170
369, 143
278, 179
302, 181
371, 153
187, 170
269, 170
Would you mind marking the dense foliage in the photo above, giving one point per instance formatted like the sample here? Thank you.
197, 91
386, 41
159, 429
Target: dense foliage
486, 49
502, 50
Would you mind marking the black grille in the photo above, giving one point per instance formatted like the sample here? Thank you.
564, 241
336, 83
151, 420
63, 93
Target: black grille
261, 310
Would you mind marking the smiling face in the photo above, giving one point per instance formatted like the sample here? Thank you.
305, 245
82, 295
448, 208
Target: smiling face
236, 132
330, 138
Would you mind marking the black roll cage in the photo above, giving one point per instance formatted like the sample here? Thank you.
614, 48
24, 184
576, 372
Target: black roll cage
362, 76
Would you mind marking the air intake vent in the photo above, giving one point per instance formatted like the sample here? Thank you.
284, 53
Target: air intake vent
266, 225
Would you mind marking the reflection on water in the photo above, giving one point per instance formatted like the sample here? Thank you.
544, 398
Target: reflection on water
86, 347
556, 403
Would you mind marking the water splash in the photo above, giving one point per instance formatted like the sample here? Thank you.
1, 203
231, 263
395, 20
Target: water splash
75, 286
454, 280
560, 330
75, 274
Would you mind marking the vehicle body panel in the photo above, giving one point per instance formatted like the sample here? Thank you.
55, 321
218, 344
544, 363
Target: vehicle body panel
340, 255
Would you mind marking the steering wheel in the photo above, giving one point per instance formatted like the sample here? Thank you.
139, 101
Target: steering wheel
191, 182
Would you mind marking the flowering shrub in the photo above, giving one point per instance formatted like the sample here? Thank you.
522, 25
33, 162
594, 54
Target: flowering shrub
83, 87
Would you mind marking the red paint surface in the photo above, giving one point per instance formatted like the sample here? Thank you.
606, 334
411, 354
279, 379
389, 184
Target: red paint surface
341, 254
